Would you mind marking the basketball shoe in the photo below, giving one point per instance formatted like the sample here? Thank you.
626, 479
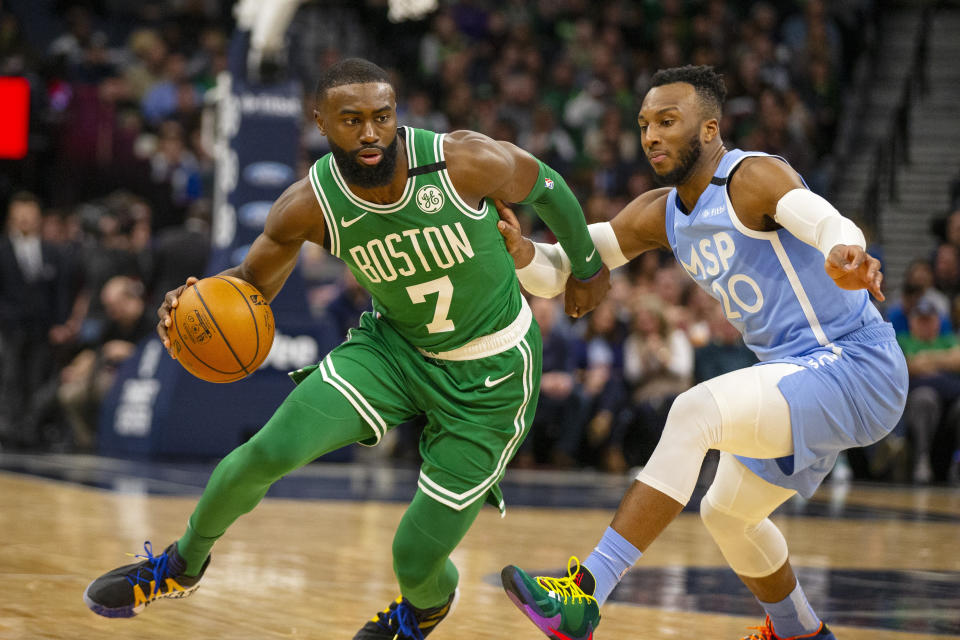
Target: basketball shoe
126, 591
765, 632
403, 621
560, 607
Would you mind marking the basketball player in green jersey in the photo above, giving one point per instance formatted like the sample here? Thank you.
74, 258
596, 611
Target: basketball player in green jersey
450, 337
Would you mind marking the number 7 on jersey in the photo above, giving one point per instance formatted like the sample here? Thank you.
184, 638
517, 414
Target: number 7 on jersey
444, 289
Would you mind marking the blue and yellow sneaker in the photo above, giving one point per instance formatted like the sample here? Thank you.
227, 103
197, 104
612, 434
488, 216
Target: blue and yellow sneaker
126, 591
765, 632
403, 621
558, 606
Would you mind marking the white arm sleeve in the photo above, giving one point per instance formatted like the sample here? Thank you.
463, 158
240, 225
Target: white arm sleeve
815, 221
546, 275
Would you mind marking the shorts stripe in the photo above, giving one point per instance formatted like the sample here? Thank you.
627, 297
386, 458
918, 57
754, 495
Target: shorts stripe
459, 501
367, 412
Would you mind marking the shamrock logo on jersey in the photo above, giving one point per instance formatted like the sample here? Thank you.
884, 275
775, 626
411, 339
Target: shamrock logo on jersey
429, 199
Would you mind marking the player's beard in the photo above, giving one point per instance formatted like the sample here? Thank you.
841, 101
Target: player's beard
364, 176
686, 159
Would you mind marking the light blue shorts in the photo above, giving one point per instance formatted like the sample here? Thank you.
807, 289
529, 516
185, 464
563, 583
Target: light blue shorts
837, 402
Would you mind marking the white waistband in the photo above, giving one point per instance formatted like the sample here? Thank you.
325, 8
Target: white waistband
492, 344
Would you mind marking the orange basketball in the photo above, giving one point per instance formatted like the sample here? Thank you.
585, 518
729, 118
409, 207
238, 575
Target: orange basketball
221, 329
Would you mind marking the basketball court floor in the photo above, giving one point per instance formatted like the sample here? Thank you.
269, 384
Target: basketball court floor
313, 560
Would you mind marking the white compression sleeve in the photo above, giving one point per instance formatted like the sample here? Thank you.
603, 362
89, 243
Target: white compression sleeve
815, 221
546, 275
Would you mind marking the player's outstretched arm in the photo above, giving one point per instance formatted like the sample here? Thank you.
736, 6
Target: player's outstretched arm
767, 194
482, 167
543, 269
293, 219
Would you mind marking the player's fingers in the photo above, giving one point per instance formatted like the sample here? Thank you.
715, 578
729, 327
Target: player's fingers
855, 260
877, 287
506, 213
164, 337
873, 268
837, 257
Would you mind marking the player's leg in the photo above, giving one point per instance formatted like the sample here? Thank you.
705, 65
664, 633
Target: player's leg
323, 413
296, 434
478, 413
713, 415
736, 512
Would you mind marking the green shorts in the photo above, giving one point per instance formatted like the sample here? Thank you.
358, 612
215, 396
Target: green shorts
478, 411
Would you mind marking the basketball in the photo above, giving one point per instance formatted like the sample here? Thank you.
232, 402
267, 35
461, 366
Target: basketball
221, 329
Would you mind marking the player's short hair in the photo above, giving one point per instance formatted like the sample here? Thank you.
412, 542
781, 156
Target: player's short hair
708, 84
349, 71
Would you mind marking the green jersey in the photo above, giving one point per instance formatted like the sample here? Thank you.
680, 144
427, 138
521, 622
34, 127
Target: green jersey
436, 266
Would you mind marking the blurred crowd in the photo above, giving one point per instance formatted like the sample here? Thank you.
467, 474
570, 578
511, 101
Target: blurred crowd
111, 207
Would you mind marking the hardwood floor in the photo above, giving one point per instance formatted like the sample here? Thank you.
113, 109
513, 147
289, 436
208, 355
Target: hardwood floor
298, 568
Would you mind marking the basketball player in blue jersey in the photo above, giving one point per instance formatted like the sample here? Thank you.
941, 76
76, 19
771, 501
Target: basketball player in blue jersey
793, 277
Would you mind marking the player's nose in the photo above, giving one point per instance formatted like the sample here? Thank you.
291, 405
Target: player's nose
368, 133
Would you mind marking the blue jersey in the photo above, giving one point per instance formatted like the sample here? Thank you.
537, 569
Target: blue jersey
773, 286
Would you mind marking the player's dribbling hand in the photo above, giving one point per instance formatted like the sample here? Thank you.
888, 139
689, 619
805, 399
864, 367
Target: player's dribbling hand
520, 248
853, 268
169, 302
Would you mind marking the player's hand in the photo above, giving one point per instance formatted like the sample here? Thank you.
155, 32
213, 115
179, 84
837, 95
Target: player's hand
853, 268
520, 248
582, 296
170, 301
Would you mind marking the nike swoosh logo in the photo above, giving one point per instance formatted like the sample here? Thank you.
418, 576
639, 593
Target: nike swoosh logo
492, 383
346, 223
589, 257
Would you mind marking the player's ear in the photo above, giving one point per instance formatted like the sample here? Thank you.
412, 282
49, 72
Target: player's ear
710, 129
318, 118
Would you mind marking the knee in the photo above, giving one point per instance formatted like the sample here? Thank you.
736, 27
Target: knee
263, 460
719, 522
413, 562
695, 412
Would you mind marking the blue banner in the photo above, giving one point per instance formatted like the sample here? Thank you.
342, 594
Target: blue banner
156, 408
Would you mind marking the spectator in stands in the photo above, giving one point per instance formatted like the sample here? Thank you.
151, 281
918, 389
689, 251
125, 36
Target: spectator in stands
657, 367
603, 384
946, 270
724, 352
86, 380
34, 302
917, 284
933, 404
557, 425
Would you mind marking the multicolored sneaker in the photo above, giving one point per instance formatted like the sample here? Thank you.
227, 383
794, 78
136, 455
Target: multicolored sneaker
765, 632
403, 621
558, 606
125, 592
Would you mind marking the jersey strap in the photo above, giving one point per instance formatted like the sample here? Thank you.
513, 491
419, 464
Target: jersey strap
427, 168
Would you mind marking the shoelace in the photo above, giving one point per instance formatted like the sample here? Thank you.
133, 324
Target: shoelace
158, 564
566, 587
765, 632
400, 618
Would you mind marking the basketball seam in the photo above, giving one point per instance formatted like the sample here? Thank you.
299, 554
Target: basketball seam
253, 316
186, 346
220, 331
